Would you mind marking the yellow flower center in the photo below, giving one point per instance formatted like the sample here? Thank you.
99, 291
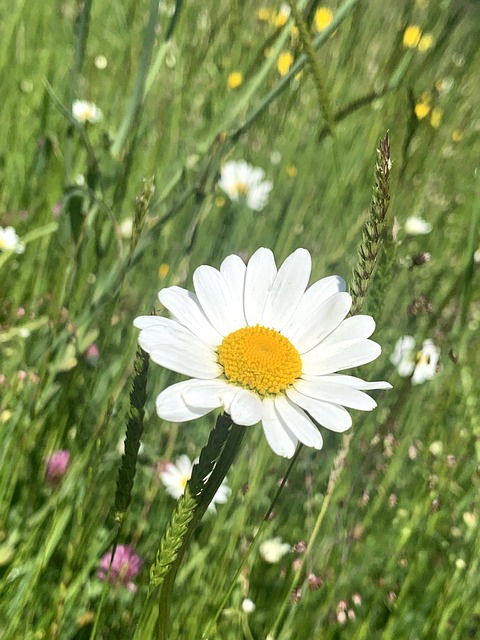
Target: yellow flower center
260, 359
241, 188
422, 358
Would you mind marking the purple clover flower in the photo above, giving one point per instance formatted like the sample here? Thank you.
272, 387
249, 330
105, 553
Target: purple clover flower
125, 566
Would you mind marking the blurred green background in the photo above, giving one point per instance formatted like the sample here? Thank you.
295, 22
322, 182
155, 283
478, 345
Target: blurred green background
401, 530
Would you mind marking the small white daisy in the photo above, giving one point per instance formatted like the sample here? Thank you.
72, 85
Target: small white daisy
415, 226
258, 343
248, 606
84, 111
239, 180
175, 478
421, 365
9, 240
273, 550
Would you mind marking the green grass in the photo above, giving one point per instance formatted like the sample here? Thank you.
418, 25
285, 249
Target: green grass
395, 529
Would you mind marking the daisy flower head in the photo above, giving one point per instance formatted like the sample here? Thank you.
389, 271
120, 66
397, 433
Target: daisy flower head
9, 240
421, 365
240, 181
175, 478
257, 343
84, 111
273, 550
416, 226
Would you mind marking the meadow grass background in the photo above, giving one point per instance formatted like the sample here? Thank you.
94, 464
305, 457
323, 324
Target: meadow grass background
401, 528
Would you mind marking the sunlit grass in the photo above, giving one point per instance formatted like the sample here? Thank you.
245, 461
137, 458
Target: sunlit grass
401, 529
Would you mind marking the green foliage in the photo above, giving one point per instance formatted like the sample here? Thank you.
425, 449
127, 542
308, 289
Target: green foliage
400, 524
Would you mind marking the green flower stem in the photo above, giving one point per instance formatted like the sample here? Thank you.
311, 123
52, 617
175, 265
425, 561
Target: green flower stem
137, 97
207, 475
373, 231
338, 466
82, 28
145, 77
253, 544
314, 63
126, 474
229, 452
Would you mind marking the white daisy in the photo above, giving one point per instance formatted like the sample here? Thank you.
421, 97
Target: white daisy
175, 478
421, 365
256, 342
416, 226
240, 180
9, 240
248, 606
273, 550
84, 111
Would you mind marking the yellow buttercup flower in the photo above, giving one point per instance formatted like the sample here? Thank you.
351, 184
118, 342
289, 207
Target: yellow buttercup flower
292, 171
426, 42
323, 17
234, 79
282, 16
284, 62
5, 415
457, 135
436, 117
411, 36
264, 14
163, 270
422, 109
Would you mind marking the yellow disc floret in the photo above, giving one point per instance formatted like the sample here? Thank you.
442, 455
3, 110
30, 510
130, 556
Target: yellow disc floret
260, 359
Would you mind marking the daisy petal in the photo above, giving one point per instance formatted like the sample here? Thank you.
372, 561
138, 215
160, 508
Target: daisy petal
257, 195
298, 422
335, 357
146, 322
214, 297
186, 309
361, 327
287, 290
313, 297
355, 383
233, 269
336, 393
174, 347
260, 276
246, 408
171, 406
331, 416
324, 319
281, 441
204, 393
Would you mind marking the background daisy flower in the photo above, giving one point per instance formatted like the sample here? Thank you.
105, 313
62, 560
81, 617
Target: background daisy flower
239, 180
84, 111
256, 342
175, 478
9, 240
421, 365
273, 550
416, 226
